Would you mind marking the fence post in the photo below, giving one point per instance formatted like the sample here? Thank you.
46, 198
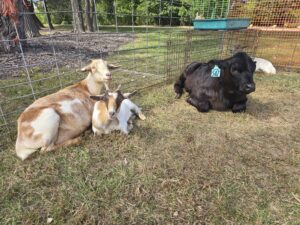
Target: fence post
4, 120
24, 61
167, 61
187, 49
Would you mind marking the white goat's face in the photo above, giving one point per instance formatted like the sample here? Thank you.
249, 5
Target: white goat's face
100, 70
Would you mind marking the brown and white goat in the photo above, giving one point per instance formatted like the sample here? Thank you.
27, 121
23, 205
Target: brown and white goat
114, 111
58, 119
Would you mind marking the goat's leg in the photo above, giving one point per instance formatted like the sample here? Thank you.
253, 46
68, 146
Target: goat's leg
124, 127
201, 104
136, 110
239, 107
130, 126
73, 141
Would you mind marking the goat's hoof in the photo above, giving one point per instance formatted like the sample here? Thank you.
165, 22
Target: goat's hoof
142, 116
239, 111
178, 96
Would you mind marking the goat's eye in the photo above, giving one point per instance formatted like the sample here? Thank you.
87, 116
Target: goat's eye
238, 70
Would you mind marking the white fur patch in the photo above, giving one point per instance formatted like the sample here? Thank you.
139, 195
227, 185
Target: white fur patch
115, 95
125, 113
46, 124
66, 106
264, 66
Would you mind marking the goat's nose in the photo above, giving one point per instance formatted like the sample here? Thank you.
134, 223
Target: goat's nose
108, 74
111, 114
249, 85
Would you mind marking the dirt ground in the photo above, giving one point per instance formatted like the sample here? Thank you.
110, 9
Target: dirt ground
70, 50
178, 166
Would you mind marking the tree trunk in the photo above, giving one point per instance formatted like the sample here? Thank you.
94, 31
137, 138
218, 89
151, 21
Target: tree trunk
50, 25
21, 21
80, 16
94, 15
32, 27
12, 27
38, 22
16, 27
7, 35
78, 24
89, 16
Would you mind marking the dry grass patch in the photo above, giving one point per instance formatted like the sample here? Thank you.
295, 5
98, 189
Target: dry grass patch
177, 167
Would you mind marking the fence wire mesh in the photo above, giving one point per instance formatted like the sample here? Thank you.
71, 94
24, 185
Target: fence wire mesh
151, 40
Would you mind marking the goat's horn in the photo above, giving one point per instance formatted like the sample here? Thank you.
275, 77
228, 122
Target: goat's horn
119, 87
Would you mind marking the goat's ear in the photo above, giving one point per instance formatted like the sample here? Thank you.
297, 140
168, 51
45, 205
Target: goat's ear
234, 68
89, 68
128, 95
118, 88
86, 68
98, 97
112, 66
237, 48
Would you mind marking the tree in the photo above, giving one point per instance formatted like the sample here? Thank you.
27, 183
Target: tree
17, 22
78, 24
90, 15
32, 23
48, 15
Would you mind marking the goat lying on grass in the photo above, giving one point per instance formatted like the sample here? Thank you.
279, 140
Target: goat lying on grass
114, 111
263, 65
58, 119
218, 84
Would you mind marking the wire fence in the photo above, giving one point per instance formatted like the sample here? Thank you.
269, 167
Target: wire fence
152, 41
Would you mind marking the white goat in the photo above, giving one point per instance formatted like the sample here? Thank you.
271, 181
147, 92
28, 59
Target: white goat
264, 66
114, 111
58, 119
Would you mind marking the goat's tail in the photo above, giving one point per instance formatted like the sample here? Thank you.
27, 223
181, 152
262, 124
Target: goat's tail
24, 153
179, 85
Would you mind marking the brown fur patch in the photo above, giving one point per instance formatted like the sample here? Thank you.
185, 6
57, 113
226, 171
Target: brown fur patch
101, 106
112, 103
30, 114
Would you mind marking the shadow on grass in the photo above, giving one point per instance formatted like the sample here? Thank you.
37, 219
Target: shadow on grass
261, 110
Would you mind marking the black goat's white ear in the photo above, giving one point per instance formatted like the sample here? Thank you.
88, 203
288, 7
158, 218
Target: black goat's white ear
128, 95
98, 97
112, 66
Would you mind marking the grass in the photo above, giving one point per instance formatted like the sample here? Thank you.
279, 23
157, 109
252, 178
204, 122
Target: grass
176, 167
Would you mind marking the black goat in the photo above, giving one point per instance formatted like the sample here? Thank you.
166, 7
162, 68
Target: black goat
218, 84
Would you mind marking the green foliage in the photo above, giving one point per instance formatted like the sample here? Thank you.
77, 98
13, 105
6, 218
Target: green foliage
176, 12
268, 13
146, 12
59, 11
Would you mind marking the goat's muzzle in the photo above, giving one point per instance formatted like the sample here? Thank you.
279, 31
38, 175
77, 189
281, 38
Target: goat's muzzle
108, 76
249, 88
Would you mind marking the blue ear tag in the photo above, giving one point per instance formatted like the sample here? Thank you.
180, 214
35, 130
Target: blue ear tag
216, 72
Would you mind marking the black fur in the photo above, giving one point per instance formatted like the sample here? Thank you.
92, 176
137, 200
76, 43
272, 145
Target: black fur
220, 93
